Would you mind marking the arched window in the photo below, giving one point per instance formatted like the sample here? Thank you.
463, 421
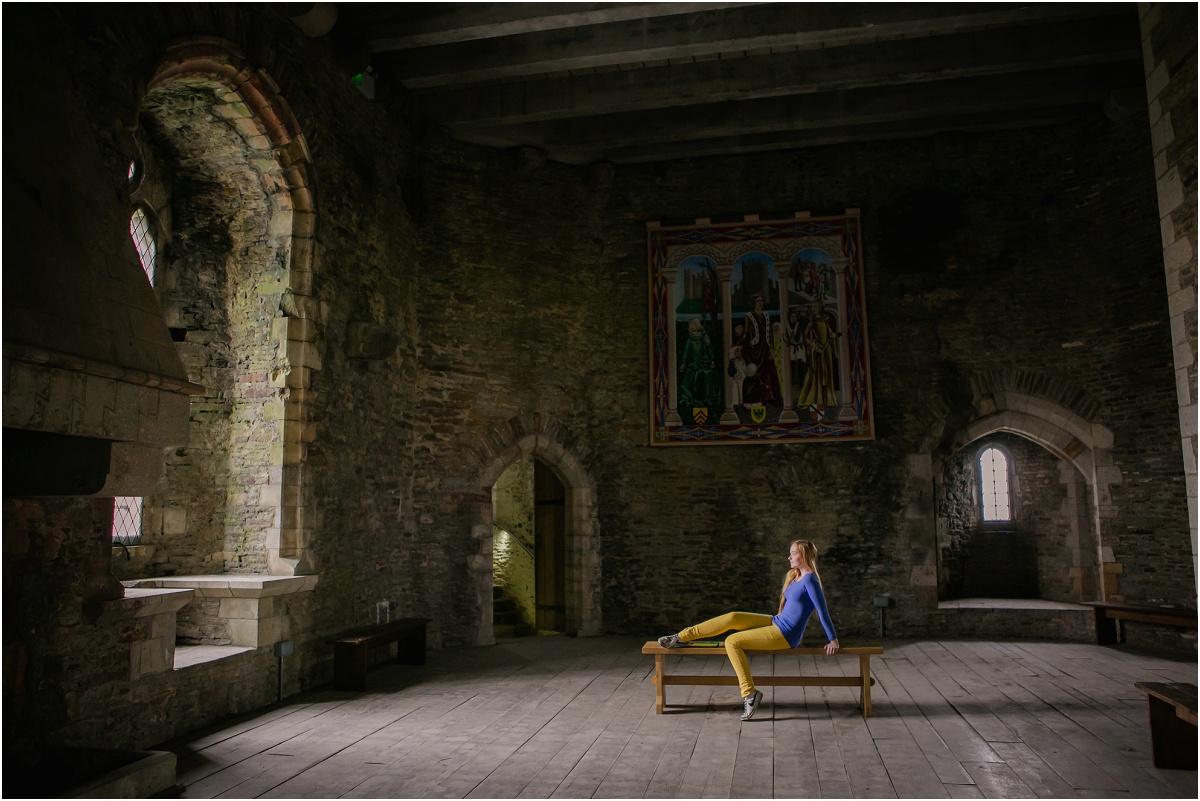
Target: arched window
142, 229
994, 485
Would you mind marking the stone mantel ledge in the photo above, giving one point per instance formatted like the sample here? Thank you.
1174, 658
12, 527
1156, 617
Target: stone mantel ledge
144, 602
228, 585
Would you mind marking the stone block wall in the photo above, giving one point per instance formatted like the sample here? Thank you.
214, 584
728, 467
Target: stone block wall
1169, 53
1048, 227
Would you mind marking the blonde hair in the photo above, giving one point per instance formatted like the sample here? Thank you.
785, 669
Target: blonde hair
808, 556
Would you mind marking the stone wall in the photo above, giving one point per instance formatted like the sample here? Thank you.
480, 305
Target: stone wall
469, 307
983, 253
1169, 53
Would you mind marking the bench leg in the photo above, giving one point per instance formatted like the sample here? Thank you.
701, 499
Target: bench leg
1172, 739
1106, 628
864, 674
410, 649
350, 667
660, 686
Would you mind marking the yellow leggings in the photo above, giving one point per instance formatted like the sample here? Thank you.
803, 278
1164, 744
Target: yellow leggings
753, 630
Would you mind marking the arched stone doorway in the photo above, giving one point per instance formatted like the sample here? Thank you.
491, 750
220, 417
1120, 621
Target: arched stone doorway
529, 550
580, 573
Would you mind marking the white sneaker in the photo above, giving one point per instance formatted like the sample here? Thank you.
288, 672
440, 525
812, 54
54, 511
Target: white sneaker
750, 704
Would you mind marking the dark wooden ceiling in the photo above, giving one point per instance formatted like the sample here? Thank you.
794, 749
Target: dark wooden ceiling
638, 82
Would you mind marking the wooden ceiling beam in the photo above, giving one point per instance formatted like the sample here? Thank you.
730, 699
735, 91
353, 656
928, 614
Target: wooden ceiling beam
785, 140
977, 54
702, 34
427, 24
1068, 86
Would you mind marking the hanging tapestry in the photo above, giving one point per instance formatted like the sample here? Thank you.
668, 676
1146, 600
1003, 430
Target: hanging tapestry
758, 332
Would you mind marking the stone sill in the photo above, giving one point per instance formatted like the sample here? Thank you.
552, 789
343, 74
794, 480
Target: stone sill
187, 656
144, 602
1011, 603
235, 585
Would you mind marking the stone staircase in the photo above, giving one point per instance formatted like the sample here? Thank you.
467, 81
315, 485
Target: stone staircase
506, 616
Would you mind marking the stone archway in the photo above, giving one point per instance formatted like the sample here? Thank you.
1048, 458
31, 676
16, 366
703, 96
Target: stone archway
1047, 411
248, 103
549, 442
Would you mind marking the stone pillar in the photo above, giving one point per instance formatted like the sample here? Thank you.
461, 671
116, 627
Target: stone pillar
788, 415
725, 273
846, 410
1169, 34
673, 418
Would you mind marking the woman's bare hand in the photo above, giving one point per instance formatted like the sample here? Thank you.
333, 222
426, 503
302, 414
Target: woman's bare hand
832, 647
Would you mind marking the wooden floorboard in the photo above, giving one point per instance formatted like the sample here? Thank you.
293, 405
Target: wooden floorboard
557, 717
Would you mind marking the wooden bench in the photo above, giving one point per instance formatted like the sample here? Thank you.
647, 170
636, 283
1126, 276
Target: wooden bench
1172, 723
352, 650
862, 681
1108, 613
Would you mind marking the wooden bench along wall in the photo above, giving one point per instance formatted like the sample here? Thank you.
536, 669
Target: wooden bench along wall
862, 681
352, 650
1172, 723
1108, 613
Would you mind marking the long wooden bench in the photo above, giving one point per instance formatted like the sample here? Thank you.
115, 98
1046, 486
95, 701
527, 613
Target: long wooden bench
1108, 613
352, 650
862, 681
1172, 723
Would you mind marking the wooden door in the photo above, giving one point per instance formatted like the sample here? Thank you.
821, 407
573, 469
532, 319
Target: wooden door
549, 552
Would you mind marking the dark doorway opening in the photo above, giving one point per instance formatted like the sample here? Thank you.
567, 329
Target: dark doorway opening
550, 526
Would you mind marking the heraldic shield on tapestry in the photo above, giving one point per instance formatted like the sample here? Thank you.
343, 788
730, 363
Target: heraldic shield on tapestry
758, 332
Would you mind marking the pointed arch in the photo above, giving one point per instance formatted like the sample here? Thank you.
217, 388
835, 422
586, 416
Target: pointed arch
1047, 411
551, 443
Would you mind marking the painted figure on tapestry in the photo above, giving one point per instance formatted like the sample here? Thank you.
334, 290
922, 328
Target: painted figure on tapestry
820, 346
699, 386
793, 337
762, 385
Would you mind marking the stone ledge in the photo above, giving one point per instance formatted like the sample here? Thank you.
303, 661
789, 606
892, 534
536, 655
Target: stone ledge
1012, 604
187, 656
144, 602
231, 585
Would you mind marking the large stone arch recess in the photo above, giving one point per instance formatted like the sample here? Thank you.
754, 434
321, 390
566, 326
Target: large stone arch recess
549, 441
294, 329
1047, 411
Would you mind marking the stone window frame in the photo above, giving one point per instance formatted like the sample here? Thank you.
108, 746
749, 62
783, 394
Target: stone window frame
220, 62
251, 605
980, 491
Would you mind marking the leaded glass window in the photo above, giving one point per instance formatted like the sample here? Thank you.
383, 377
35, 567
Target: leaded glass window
141, 228
127, 521
994, 494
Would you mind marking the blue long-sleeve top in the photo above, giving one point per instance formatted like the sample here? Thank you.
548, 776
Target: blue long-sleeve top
799, 600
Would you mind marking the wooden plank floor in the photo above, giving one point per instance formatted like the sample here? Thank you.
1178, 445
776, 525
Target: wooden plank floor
558, 717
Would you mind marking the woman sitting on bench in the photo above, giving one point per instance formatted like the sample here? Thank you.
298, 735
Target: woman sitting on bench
801, 595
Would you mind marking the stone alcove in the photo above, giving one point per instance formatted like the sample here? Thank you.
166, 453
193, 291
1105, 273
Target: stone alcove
223, 168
